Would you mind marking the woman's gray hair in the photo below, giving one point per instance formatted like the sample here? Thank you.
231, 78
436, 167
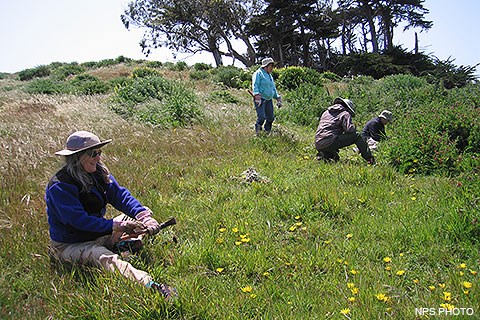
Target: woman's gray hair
75, 169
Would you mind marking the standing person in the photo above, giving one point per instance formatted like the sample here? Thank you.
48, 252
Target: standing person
374, 130
264, 91
76, 198
336, 130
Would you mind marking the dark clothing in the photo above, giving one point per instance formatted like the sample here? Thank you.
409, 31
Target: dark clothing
336, 130
75, 216
374, 129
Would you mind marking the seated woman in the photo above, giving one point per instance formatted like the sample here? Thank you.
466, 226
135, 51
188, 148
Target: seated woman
76, 198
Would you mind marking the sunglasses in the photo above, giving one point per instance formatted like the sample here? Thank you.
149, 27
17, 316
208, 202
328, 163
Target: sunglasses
93, 153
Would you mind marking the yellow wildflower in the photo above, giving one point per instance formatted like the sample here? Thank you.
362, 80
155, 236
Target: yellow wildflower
247, 289
473, 272
219, 240
349, 235
447, 306
297, 217
235, 230
447, 296
467, 284
382, 297
442, 285
400, 272
354, 290
353, 271
223, 229
350, 285
462, 265
416, 281
387, 259
219, 270
345, 311
432, 288
351, 299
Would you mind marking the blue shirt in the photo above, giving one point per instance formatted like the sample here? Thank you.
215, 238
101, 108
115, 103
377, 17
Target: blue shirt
73, 219
262, 83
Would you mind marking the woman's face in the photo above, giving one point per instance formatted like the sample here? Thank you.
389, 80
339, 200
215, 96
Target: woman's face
90, 159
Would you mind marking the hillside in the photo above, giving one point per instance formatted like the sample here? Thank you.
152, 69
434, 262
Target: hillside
309, 240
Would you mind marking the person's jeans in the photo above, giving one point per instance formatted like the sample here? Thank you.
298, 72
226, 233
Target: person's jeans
264, 116
344, 140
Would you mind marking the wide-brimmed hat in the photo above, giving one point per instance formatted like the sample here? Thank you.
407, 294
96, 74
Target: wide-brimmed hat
267, 61
387, 115
347, 103
80, 141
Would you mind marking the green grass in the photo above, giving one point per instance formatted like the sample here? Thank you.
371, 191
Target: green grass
299, 244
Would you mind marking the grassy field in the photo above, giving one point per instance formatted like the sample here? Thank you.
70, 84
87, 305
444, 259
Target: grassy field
306, 240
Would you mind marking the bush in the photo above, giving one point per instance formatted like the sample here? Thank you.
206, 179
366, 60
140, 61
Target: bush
46, 86
222, 96
88, 84
156, 101
199, 74
64, 71
290, 78
145, 72
154, 64
200, 66
305, 105
37, 72
232, 77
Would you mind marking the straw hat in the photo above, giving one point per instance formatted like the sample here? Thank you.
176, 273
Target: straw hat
80, 141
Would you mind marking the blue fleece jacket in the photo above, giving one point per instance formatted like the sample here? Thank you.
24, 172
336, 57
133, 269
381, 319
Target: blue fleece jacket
263, 84
78, 217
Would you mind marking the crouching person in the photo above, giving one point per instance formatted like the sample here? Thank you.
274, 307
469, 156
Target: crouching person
336, 130
76, 198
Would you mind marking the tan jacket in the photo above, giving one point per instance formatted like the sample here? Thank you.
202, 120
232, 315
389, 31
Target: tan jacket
334, 121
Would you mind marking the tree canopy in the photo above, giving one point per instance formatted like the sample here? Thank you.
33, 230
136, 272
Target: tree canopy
326, 35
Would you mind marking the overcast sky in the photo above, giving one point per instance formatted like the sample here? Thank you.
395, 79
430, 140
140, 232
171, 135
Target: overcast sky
38, 32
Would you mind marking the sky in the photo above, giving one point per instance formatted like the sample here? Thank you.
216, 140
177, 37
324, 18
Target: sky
39, 32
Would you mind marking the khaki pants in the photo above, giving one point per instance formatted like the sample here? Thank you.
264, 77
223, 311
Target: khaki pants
98, 253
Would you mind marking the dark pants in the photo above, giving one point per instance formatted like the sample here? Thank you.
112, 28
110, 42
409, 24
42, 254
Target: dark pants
344, 140
264, 116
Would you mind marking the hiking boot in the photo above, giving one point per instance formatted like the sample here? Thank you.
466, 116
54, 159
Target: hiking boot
166, 291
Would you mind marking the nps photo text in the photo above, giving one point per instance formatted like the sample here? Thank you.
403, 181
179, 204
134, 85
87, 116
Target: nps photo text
444, 312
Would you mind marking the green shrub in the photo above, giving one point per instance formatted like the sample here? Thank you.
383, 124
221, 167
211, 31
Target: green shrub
199, 74
232, 77
156, 101
154, 64
88, 84
222, 96
64, 71
144, 72
200, 66
46, 86
37, 72
290, 78
305, 105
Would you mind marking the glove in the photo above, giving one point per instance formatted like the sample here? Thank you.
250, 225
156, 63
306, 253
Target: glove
132, 227
258, 100
145, 217
279, 102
